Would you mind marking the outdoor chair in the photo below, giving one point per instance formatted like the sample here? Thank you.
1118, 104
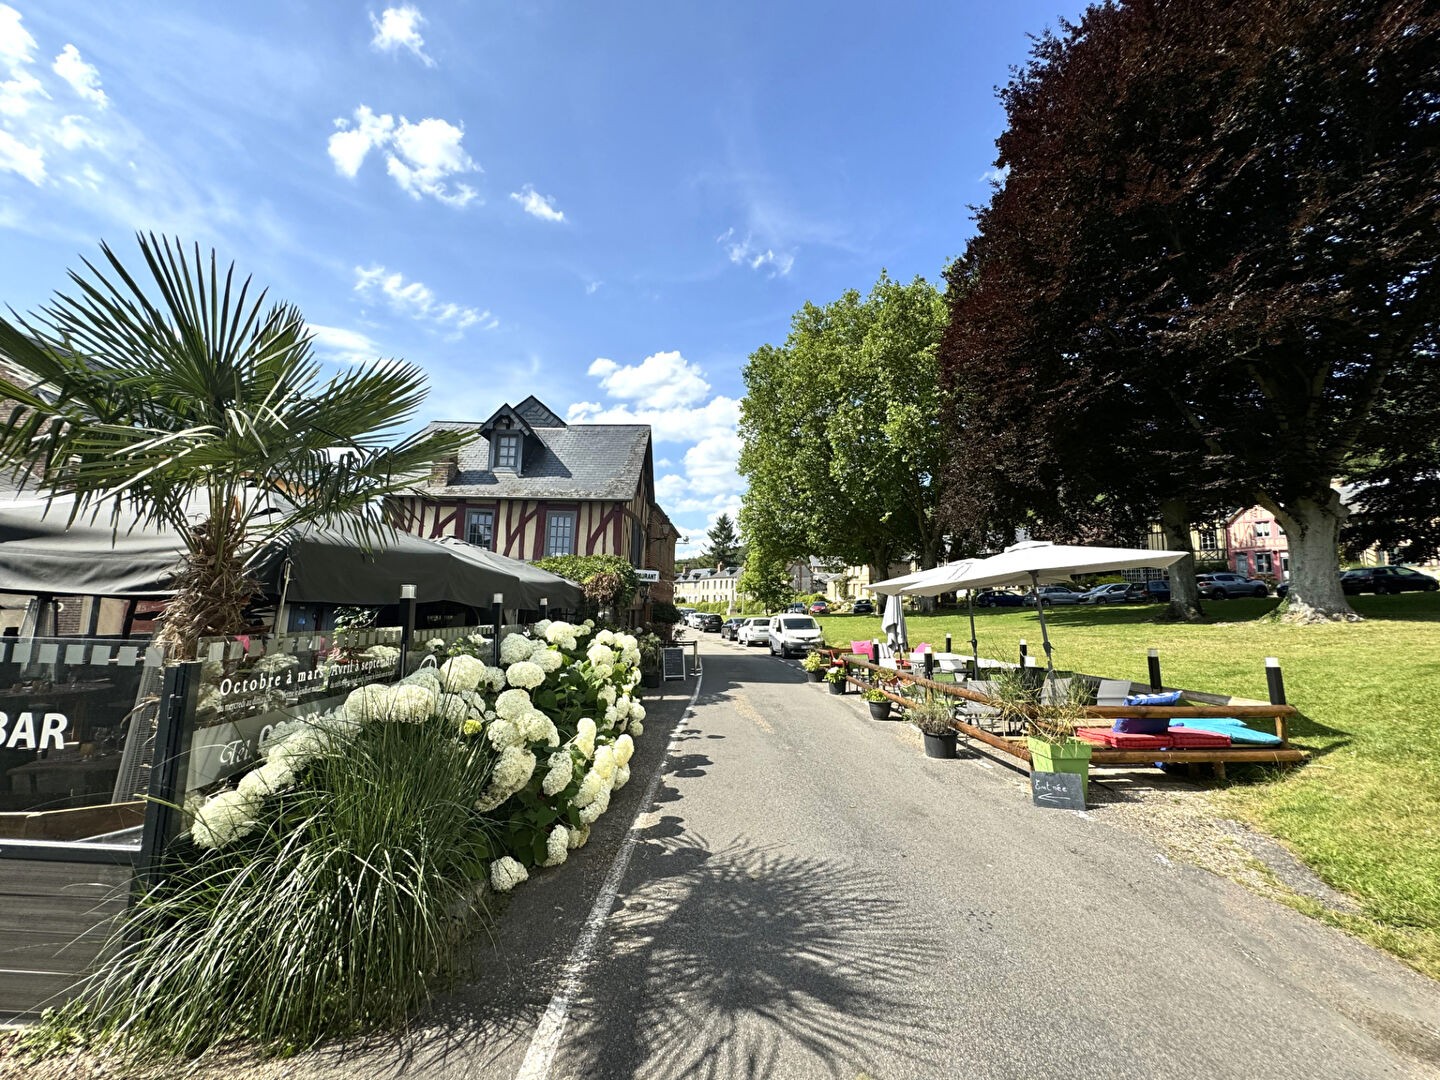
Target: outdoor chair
1112, 691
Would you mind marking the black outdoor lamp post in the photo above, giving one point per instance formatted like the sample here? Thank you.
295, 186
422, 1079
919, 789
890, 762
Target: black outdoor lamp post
497, 615
407, 624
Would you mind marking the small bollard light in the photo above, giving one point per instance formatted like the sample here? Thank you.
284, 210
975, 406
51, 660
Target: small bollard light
1024, 651
407, 625
1153, 659
1275, 680
497, 615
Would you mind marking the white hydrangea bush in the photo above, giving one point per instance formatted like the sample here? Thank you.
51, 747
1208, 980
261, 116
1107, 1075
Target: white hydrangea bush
556, 721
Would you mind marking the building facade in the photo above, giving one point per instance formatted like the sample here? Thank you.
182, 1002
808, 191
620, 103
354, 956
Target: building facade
708, 586
528, 485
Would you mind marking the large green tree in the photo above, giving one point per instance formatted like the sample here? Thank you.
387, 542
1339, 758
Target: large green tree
1228, 211
841, 445
765, 579
181, 395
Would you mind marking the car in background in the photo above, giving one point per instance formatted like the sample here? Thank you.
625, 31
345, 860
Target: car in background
710, 623
819, 607
754, 631
795, 609
1157, 589
1050, 595
793, 634
729, 627
1387, 579
997, 598
1119, 592
1226, 586
863, 607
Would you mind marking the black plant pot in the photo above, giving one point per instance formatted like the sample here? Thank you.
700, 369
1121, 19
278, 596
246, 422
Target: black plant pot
879, 710
836, 687
650, 679
940, 746
816, 675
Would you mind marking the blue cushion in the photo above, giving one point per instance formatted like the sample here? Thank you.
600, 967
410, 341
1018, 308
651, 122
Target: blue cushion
1235, 728
1170, 697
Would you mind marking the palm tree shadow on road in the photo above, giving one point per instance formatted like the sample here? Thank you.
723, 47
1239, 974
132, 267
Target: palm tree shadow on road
716, 960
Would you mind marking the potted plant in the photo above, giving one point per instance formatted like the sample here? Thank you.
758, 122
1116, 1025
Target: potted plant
1050, 734
934, 715
814, 665
878, 702
835, 677
650, 646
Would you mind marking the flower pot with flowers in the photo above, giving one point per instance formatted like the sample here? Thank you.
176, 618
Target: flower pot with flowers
815, 664
934, 715
878, 702
835, 678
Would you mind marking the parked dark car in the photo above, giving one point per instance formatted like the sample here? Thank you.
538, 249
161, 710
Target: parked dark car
998, 598
710, 623
729, 628
864, 607
1387, 579
1224, 586
1119, 592
1158, 589
795, 609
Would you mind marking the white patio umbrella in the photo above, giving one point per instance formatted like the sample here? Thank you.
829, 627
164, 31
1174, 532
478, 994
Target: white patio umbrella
892, 624
1033, 561
933, 582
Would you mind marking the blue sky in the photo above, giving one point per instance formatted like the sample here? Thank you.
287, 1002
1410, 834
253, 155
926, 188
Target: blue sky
607, 205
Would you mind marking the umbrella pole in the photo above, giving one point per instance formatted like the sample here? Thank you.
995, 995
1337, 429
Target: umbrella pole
1044, 631
974, 643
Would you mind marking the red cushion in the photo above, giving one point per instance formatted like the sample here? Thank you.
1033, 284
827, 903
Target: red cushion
1191, 737
1125, 740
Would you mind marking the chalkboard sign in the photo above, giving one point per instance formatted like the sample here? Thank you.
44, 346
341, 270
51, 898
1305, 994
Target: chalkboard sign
674, 661
1058, 790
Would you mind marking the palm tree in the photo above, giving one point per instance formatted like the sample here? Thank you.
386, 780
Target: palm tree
202, 408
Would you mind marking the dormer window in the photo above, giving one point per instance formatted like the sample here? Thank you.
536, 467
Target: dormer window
507, 450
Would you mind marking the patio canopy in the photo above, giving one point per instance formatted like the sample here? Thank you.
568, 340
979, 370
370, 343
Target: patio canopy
40, 553
530, 583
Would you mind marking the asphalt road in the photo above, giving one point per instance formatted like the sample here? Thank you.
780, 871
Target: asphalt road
809, 896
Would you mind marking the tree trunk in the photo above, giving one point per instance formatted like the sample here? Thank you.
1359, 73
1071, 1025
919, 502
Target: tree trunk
1184, 592
212, 591
1312, 528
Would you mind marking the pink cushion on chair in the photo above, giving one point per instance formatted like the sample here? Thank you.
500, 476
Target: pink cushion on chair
865, 648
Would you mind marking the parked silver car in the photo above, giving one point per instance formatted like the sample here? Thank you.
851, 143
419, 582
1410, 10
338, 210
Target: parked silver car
1051, 595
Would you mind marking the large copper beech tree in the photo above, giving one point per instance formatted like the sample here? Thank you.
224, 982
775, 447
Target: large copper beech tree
1210, 269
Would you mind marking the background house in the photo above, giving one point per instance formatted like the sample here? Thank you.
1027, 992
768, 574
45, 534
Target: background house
708, 586
529, 485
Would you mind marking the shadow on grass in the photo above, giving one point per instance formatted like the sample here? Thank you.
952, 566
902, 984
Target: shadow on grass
724, 963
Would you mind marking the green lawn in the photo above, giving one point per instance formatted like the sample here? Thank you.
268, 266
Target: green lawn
1365, 812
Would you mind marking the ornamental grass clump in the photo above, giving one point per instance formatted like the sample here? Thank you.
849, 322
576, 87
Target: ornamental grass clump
933, 714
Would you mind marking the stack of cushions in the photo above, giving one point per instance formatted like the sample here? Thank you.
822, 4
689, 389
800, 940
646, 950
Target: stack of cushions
1157, 725
1155, 733
1230, 726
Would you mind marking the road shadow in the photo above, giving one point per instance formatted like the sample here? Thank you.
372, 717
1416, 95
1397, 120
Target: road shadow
718, 962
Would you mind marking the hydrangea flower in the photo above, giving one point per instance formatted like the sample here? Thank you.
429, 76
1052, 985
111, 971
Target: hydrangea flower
547, 660
269, 779
561, 634
506, 873
535, 726
494, 677
622, 777
604, 637
600, 654
368, 702
515, 648
606, 694
411, 704
452, 707
540, 627
224, 819
637, 712
578, 836
525, 675
427, 677
461, 673
504, 733
513, 704
589, 813
637, 728
560, 771
624, 749
605, 762
590, 789
557, 846
512, 772
585, 737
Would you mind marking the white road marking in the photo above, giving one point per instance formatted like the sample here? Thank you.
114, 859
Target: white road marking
540, 1057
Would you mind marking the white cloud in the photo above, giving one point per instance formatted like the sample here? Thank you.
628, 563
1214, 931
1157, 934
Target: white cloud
83, 78
421, 157
417, 300
16, 44
746, 253
677, 425
592, 287
666, 380
75, 132
343, 346
537, 205
22, 158
995, 176
399, 28
20, 92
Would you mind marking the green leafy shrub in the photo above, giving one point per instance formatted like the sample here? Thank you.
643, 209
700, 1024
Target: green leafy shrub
607, 580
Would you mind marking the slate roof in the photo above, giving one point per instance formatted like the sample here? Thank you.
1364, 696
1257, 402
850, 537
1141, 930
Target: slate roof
562, 461
704, 574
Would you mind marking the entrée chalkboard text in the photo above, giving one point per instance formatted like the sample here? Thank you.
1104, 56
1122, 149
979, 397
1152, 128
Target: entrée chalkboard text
1058, 790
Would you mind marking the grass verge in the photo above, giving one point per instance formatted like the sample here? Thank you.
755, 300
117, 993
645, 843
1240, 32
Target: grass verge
1365, 812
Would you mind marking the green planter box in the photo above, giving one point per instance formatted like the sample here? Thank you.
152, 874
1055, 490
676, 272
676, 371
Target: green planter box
1071, 756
